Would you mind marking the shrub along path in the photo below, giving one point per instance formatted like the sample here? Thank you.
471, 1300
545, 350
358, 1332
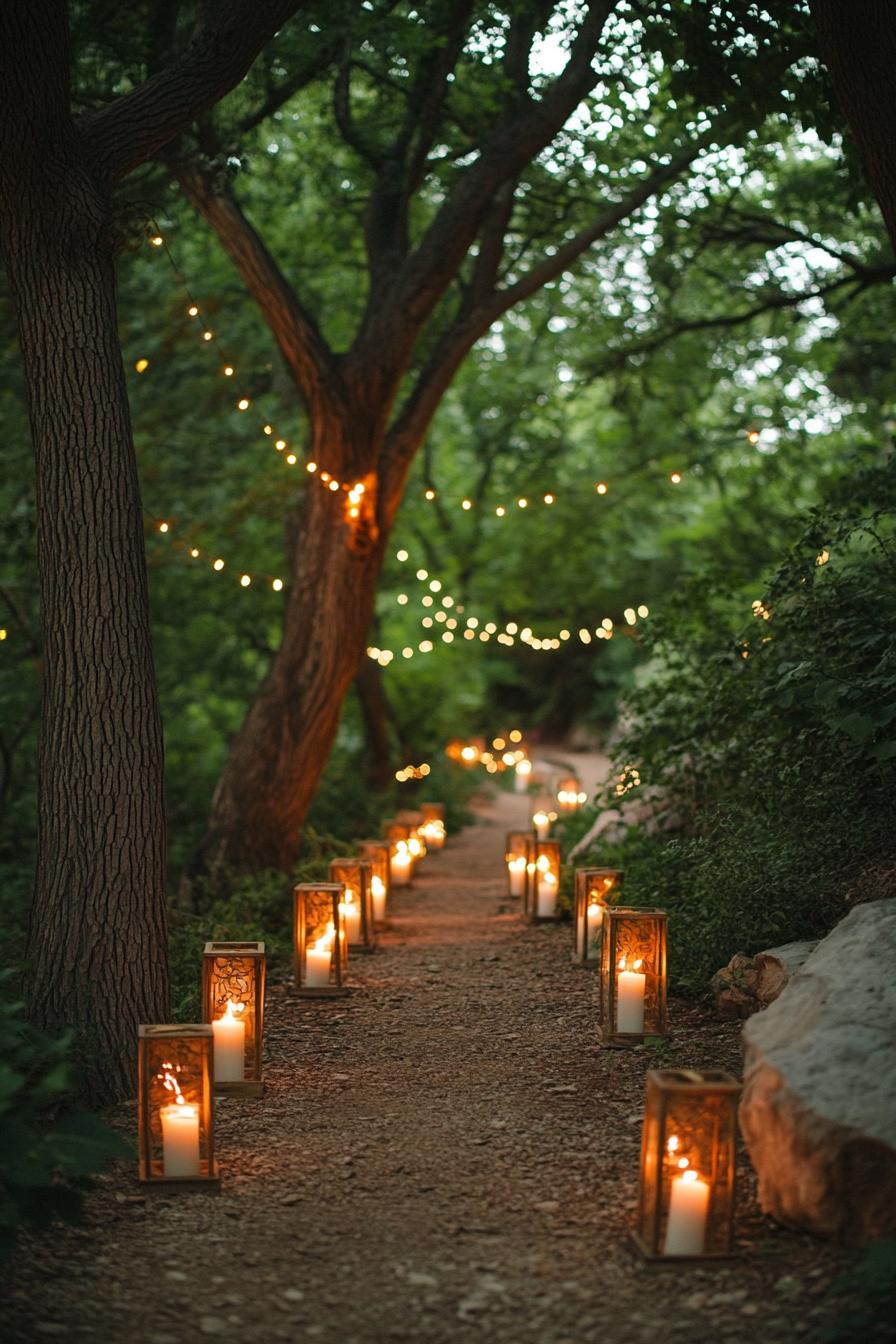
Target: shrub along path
443, 1156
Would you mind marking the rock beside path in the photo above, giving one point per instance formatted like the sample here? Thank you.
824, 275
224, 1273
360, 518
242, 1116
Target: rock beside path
748, 984
819, 1102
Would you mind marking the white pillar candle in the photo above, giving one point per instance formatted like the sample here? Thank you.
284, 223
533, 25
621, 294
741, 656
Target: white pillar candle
180, 1139
378, 896
318, 958
351, 917
434, 834
517, 871
547, 895
230, 1045
688, 1207
588, 931
630, 1001
400, 866
542, 823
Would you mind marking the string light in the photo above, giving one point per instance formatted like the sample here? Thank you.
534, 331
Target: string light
333, 483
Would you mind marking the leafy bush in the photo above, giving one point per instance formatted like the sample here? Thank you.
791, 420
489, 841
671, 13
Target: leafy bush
47, 1152
769, 751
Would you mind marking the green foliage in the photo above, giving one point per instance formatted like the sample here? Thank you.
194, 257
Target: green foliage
767, 755
48, 1152
870, 1288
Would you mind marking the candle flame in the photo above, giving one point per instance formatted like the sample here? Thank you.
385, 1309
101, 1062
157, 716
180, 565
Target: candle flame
539, 818
689, 1176
636, 965
231, 1010
673, 1143
543, 863
517, 863
683, 1163
377, 885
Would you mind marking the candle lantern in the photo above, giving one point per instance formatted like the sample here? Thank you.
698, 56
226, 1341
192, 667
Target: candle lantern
570, 794
376, 852
233, 1002
320, 948
357, 904
686, 1200
516, 857
595, 889
395, 830
175, 1126
632, 1001
433, 827
543, 881
412, 818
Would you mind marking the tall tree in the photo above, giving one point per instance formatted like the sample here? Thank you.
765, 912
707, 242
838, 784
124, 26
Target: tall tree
97, 950
474, 197
858, 45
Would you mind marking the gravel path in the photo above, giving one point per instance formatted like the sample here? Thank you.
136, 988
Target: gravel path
443, 1156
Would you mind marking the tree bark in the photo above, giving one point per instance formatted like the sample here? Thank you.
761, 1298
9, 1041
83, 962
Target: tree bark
857, 42
97, 947
276, 758
98, 955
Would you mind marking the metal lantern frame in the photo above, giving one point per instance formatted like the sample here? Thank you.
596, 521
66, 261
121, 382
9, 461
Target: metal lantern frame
629, 936
516, 846
315, 904
690, 1125
184, 1052
377, 853
592, 886
357, 873
549, 849
236, 972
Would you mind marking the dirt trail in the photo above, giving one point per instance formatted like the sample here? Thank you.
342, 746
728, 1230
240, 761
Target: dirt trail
444, 1156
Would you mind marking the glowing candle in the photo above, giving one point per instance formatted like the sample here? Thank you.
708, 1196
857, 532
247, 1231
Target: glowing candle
401, 864
317, 962
590, 928
416, 848
688, 1207
547, 895
350, 910
180, 1138
230, 1044
523, 771
517, 870
378, 896
542, 823
434, 834
630, 1000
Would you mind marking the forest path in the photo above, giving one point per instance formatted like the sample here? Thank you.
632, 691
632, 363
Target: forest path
444, 1156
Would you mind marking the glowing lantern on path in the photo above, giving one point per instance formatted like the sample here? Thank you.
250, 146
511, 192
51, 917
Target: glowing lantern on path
376, 852
632, 976
570, 794
595, 889
233, 976
401, 864
686, 1200
516, 857
433, 825
175, 1125
543, 881
432, 812
357, 903
320, 948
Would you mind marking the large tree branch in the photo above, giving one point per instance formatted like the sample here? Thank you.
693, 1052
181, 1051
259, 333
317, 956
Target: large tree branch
307, 355
227, 37
473, 321
855, 283
431, 267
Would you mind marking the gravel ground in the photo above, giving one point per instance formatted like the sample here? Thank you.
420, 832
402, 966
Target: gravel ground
443, 1156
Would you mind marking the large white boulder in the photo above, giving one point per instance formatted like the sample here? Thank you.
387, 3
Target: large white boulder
818, 1111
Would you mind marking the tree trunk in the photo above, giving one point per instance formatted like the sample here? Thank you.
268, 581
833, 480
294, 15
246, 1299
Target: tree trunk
857, 42
276, 758
375, 715
97, 944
